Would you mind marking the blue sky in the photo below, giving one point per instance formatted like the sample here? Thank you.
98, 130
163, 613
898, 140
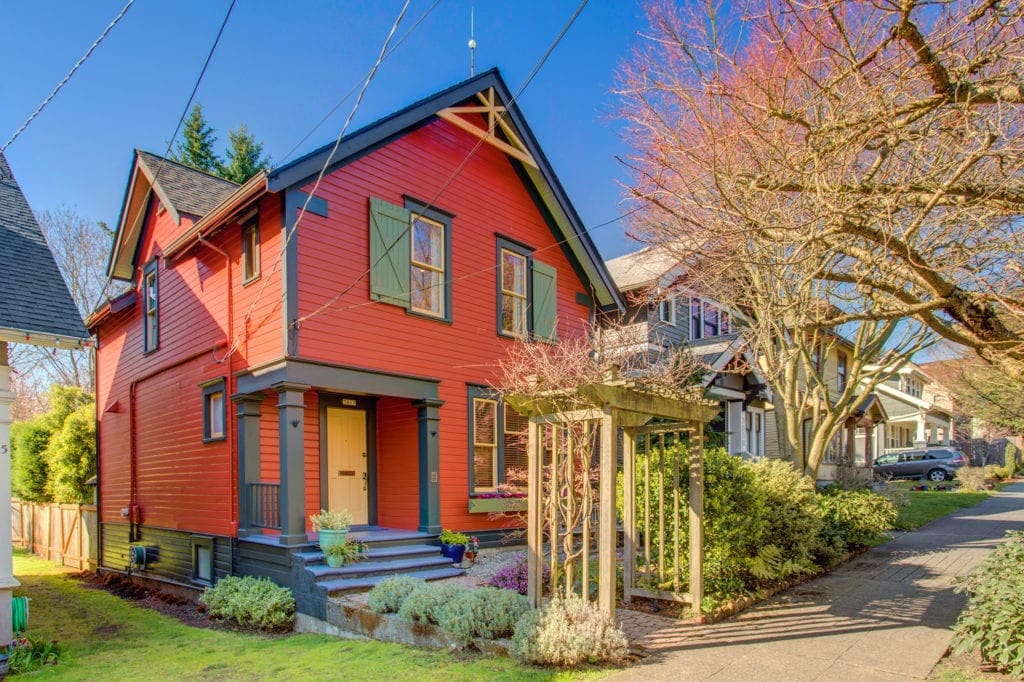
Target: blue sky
281, 66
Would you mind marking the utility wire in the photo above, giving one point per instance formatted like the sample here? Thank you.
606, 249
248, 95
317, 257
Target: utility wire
458, 170
195, 89
356, 86
96, 43
323, 170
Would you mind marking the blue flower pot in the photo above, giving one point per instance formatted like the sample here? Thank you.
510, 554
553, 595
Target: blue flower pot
453, 552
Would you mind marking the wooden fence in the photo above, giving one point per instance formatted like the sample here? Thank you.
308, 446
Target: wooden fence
62, 533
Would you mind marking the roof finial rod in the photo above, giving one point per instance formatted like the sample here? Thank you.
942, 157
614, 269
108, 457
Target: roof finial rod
472, 44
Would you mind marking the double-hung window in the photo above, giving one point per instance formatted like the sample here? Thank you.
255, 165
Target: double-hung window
410, 251
527, 294
841, 361
497, 443
151, 307
707, 320
250, 251
214, 411
667, 310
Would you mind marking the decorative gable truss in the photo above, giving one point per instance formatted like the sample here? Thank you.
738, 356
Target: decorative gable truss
491, 107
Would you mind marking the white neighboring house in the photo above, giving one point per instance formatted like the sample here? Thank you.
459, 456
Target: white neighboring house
660, 314
35, 308
920, 411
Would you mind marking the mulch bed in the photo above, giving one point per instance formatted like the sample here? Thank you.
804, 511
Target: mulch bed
168, 604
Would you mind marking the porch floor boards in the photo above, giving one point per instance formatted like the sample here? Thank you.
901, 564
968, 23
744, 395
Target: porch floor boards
367, 534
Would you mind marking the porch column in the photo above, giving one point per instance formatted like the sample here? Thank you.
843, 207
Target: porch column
428, 417
922, 436
247, 412
851, 441
291, 411
869, 454
7, 580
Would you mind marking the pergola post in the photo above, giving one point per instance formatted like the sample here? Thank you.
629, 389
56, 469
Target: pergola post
535, 512
696, 518
606, 527
628, 510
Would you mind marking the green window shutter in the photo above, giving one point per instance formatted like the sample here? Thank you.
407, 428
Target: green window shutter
389, 252
545, 302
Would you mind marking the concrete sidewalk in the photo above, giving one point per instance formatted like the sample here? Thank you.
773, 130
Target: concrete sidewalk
886, 615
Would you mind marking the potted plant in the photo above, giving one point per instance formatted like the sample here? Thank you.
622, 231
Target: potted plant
331, 527
343, 553
453, 545
472, 548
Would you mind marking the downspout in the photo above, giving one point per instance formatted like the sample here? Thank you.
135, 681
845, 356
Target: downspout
229, 389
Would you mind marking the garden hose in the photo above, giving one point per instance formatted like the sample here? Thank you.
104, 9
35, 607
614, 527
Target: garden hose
19, 613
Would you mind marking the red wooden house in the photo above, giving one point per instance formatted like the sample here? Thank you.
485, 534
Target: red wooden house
288, 345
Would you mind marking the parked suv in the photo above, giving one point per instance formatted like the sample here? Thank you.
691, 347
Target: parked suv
934, 463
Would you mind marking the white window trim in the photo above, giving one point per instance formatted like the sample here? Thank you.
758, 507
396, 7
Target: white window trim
667, 304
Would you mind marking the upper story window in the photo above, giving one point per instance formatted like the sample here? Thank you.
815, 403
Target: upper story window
409, 254
250, 251
707, 320
911, 386
151, 308
667, 310
214, 411
514, 268
427, 266
527, 294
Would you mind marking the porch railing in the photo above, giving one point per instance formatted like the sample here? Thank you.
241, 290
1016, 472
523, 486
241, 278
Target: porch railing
264, 505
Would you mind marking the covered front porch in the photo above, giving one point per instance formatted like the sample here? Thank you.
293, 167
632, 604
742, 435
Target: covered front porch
918, 430
320, 436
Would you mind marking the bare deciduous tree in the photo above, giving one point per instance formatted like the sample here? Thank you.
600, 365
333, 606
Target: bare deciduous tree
80, 249
829, 165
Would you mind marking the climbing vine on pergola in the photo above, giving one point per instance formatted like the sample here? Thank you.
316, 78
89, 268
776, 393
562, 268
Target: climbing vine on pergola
569, 430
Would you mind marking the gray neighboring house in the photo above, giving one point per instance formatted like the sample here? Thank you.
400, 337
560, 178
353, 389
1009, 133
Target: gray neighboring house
660, 314
35, 308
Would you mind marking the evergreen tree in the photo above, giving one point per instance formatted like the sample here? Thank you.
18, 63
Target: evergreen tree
196, 146
244, 156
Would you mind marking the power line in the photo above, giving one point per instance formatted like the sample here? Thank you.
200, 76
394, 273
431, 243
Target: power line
323, 170
96, 43
458, 170
195, 89
356, 86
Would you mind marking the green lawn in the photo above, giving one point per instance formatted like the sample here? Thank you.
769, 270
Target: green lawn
927, 505
110, 638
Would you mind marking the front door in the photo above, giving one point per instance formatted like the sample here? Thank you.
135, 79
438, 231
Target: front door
347, 475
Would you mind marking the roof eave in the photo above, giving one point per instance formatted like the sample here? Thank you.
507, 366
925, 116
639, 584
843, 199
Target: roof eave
250, 190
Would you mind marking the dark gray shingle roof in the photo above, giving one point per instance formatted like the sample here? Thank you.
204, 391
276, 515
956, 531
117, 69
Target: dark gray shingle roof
189, 190
33, 296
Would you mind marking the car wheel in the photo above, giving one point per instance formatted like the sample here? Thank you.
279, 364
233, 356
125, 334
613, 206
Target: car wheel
937, 475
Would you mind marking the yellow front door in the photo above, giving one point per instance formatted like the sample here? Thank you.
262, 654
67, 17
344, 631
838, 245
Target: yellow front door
347, 476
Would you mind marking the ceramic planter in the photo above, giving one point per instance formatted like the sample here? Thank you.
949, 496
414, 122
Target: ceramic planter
453, 552
329, 538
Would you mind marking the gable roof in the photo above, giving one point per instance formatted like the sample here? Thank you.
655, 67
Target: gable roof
643, 268
34, 301
541, 179
181, 189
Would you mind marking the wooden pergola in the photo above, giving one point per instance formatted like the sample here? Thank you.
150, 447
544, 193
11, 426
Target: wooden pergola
614, 404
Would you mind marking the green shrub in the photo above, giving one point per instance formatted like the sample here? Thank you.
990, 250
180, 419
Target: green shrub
567, 633
388, 595
971, 478
997, 472
424, 604
792, 518
251, 602
71, 455
1010, 458
994, 618
32, 653
488, 612
29, 466
854, 517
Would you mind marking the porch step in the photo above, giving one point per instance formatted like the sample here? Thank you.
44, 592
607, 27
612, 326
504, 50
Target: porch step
364, 583
377, 552
364, 567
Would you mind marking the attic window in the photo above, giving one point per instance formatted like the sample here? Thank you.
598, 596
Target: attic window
151, 310
250, 251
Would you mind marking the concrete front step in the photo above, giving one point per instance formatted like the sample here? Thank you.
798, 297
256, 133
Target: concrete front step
339, 585
363, 567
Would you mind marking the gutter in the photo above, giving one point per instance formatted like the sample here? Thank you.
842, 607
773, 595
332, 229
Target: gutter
205, 226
